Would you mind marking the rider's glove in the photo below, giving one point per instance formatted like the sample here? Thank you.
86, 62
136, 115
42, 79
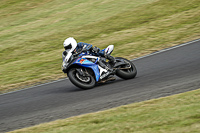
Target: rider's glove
95, 50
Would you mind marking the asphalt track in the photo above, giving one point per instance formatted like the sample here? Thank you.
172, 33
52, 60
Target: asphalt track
160, 74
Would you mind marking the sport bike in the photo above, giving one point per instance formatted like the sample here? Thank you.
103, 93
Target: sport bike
84, 71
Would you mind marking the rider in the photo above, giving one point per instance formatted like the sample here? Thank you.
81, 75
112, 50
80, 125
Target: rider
72, 46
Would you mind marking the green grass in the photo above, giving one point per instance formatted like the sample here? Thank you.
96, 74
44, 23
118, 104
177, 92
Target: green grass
32, 32
174, 114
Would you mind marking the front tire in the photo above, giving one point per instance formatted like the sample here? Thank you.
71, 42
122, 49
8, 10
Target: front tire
126, 73
83, 82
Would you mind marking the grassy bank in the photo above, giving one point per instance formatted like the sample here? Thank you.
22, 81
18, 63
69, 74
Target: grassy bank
32, 32
178, 114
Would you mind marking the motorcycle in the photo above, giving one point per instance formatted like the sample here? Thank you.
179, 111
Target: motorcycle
84, 71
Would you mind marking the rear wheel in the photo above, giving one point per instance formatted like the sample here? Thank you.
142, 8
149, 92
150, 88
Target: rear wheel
129, 73
83, 82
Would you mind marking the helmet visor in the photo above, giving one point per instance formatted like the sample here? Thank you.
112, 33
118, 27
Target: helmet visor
68, 47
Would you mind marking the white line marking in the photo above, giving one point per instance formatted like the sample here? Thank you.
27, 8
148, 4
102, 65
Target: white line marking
34, 86
167, 49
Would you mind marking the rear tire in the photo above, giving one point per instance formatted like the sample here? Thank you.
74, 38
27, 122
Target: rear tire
83, 82
126, 73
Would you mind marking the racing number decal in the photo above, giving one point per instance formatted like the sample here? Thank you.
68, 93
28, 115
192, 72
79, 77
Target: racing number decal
81, 61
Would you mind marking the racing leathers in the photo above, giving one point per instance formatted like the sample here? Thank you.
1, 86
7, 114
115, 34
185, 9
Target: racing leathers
81, 46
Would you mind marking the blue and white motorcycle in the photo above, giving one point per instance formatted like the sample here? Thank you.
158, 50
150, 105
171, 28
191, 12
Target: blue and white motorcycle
84, 71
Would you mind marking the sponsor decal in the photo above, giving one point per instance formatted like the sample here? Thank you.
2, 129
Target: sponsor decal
81, 61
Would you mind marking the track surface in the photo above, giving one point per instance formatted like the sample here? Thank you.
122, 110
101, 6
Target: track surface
166, 73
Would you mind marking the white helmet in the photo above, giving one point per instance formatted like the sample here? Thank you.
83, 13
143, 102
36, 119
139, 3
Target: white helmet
70, 44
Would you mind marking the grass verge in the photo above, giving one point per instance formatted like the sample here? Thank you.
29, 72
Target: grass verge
32, 32
178, 114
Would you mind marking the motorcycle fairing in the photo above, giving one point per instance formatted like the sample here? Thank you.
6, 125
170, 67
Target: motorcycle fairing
88, 64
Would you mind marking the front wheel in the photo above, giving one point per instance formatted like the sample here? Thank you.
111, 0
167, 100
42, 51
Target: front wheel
129, 73
83, 82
